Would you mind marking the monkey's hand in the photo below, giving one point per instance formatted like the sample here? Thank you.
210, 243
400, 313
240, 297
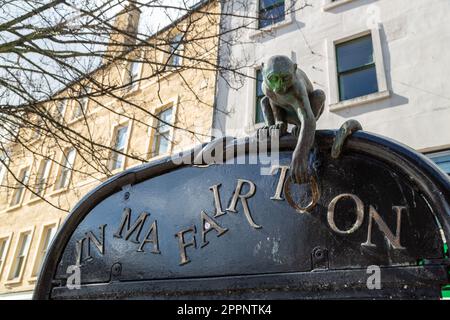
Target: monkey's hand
299, 170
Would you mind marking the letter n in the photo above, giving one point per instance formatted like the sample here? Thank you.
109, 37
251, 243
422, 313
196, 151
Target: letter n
394, 240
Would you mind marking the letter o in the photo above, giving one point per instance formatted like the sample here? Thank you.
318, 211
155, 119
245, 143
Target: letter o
359, 213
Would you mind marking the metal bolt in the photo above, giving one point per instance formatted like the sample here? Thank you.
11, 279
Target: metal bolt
116, 269
126, 196
318, 253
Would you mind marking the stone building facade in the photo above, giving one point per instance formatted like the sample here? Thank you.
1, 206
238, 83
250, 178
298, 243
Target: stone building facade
380, 62
182, 96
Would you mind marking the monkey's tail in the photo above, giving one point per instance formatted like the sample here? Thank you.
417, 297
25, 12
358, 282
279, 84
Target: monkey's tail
344, 132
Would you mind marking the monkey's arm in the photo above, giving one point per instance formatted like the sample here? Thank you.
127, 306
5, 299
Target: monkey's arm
305, 141
267, 112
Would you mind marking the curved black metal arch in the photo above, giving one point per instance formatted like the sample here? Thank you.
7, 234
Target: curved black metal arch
421, 171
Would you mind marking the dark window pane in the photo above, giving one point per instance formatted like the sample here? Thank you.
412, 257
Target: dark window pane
354, 54
259, 117
271, 14
267, 4
259, 82
259, 95
358, 83
162, 136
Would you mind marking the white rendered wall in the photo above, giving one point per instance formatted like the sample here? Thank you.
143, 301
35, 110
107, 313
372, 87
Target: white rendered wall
415, 45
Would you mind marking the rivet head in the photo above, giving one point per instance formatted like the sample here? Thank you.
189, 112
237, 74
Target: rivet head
116, 269
318, 253
126, 196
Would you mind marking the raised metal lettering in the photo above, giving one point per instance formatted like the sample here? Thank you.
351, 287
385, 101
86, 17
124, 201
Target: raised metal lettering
243, 197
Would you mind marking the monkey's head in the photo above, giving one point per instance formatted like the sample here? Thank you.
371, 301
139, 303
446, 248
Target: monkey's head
279, 73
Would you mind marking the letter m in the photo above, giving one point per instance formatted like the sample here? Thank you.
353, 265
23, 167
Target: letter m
136, 227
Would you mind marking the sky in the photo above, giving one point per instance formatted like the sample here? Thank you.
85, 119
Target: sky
153, 18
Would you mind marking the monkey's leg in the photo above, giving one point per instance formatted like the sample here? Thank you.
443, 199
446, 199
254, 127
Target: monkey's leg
268, 116
344, 132
317, 101
267, 111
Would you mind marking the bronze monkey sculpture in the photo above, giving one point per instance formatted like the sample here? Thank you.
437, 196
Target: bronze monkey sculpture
291, 99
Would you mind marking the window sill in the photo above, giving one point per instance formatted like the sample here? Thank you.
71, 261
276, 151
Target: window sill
331, 5
75, 120
58, 191
34, 200
360, 100
269, 29
32, 279
14, 281
14, 207
132, 92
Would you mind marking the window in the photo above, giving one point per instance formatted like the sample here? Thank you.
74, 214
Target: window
133, 74
60, 110
66, 169
120, 140
331, 4
24, 175
42, 177
3, 162
356, 68
82, 103
37, 129
46, 238
259, 117
162, 137
270, 12
19, 260
3, 249
442, 159
176, 51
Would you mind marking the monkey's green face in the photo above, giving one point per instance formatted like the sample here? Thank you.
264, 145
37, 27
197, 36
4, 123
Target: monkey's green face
279, 82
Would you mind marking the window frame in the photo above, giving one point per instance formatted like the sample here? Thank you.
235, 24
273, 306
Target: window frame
171, 103
176, 52
331, 4
8, 241
133, 86
271, 7
36, 133
250, 124
289, 14
38, 259
333, 87
61, 115
82, 103
157, 134
17, 247
116, 126
3, 167
46, 178
63, 159
23, 187
257, 98
368, 66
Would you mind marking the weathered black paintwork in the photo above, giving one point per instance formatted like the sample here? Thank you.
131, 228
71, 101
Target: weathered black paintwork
292, 256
